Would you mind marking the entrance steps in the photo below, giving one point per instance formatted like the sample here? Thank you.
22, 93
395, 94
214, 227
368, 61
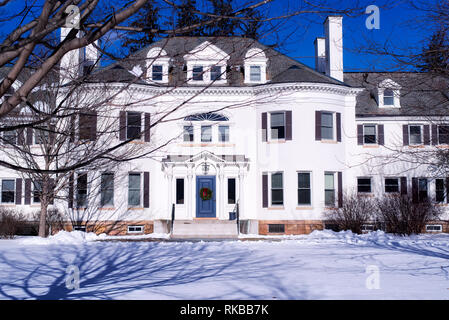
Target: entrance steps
204, 229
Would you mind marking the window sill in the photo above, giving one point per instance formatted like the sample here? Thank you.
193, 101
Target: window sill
329, 141
4, 205
304, 208
137, 142
277, 141
370, 146
365, 194
206, 144
106, 208
417, 146
443, 146
276, 208
136, 208
330, 208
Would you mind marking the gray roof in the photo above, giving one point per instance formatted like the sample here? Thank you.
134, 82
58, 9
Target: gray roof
280, 68
421, 94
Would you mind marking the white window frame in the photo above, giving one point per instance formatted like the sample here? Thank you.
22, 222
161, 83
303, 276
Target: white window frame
434, 225
389, 84
438, 134
1, 191
255, 57
310, 188
409, 134
157, 56
334, 125
33, 189
140, 190
385, 184
376, 129
270, 138
271, 189
334, 189
135, 226
113, 190
370, 185
444, 191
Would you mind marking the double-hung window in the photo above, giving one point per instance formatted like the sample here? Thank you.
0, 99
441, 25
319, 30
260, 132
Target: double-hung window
277, 189
415, 134
215, 73
327, 125
223, 133
440, 192
37, 191
8, 190
206, 133
422, 189
188, 134
255, 73
364, 185
329, 189
277, 125
41, 136
388, 97
443, 134
10, 137
134, 190
107, 189
81, 190
304, 189
391, 185
197, 73
369, 134
134, 125
156, 74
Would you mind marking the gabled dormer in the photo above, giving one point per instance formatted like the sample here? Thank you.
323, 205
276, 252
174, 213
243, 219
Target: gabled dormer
206, 64
157, 65
255, 66
388, 94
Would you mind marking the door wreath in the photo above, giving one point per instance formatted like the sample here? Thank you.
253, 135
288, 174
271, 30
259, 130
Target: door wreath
205, 194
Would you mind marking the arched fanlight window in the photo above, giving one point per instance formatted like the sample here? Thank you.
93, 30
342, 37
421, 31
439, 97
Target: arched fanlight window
208, 116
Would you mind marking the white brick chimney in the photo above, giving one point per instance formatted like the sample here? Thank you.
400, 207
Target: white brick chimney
333, 28
320, 55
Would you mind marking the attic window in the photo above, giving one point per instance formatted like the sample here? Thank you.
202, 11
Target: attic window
388, 97
389, 94
255, 66
157, 65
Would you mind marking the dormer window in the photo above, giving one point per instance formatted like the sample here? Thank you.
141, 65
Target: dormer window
388, 97
157, 73
389, 94
255, 66
255, 73
197, 73
206, 64
215, 73
157, 65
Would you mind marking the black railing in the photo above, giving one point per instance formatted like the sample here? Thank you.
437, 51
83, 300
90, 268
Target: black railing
172, 218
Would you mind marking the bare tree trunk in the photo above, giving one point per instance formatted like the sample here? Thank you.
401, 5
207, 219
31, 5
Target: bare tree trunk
44, 207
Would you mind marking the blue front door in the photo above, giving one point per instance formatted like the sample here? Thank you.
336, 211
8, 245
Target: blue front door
205, 208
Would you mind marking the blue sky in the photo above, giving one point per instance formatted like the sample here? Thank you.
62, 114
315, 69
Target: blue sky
399, 29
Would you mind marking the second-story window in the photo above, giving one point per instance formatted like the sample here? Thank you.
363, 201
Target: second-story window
443, 134
188, 134
327, 125
10, 137
223, 133
364, 185
369, 134
277, 125
197, 73
415, 134
206, 133
134, 125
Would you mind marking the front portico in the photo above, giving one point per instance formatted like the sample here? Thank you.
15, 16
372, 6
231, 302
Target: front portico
204, 170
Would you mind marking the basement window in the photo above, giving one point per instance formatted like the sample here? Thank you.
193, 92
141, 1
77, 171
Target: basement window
276, 228
434, 228
79, 228
135, 229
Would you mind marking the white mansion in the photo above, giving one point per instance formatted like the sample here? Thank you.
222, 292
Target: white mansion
254, 135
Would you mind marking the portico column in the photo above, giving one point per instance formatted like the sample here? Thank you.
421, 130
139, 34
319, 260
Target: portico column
170, 187
241, 194
190, 193
221, 213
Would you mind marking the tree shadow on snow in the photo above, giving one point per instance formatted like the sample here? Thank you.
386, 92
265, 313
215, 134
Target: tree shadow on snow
111, 270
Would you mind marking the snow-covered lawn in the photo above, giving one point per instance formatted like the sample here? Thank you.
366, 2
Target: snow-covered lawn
323, 265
